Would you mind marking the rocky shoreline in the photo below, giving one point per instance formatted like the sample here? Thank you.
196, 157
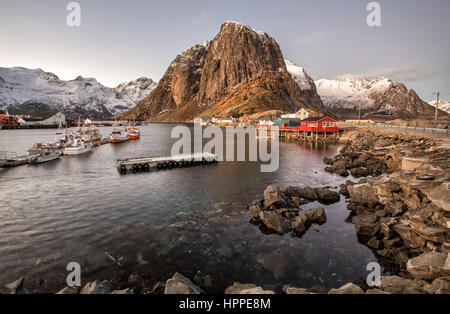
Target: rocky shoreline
400, 207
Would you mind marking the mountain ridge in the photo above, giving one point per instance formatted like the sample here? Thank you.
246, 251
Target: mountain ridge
240, 72
29, 91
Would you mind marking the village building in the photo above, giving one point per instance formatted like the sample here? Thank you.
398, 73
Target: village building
301, 114
50, 118
223, 120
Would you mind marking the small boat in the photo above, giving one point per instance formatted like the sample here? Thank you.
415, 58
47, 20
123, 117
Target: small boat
45, 155
119, 135
133, 132
77, 147
91, 135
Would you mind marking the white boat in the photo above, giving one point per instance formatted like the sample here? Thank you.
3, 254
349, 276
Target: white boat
119, 135
77, 147
45, 155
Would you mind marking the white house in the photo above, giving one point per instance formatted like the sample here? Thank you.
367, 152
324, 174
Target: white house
301, 114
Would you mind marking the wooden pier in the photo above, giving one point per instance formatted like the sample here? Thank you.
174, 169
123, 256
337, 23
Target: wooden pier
145, 164
293, 133
9, 160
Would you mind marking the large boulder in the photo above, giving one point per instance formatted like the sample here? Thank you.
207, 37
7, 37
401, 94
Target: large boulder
309, 193
359, 172
254, 213
362, 193
275, 222
327, 196
292, 191
301, 224
435, 234
399, 285
411, 164
317, 215
367, 229
409, 236
429, 266
274, 197
440, 196
179, 284
349, 288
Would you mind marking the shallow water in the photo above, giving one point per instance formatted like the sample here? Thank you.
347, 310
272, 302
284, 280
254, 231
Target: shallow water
185, 220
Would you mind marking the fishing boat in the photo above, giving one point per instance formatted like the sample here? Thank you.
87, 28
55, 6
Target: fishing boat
39, 146
45, 155
77, 147
119, 135
133, 132
91, 135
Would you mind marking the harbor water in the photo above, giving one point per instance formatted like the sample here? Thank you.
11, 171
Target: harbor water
190, 220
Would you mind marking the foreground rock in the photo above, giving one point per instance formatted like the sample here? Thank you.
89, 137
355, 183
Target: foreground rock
239, 288
13, 287
349, 288
97, 287
280, 211
429, 266
179, 284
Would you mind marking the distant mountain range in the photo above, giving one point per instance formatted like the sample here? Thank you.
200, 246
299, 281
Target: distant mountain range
33, 90
380, 98
443, 105
240, 73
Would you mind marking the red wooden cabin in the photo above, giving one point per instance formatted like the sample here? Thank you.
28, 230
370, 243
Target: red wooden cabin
319, 124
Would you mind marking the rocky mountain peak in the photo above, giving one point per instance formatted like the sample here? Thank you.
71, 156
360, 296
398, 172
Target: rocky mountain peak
240, 72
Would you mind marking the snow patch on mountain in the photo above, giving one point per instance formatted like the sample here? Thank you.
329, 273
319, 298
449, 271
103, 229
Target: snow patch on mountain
25, 89
304, 81
443, 105
350, 92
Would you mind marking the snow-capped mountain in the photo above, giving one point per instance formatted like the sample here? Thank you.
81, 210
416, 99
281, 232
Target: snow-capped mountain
380, 98
25, 90
304, 81
443, 105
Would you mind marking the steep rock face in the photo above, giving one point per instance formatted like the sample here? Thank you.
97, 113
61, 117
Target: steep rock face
30, 91
379, 99
240, 72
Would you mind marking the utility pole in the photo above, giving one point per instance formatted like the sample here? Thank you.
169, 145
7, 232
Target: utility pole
359, 114
437, 110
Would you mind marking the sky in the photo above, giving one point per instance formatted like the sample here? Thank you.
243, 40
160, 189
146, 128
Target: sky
120, 41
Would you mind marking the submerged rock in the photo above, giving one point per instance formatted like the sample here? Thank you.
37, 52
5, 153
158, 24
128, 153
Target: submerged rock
317, 215
275, 222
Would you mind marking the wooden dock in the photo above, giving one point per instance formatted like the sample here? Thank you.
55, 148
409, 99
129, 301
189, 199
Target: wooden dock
9, 160
145, 164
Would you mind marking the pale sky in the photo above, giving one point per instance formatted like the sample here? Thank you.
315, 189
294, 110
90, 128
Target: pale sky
122, 40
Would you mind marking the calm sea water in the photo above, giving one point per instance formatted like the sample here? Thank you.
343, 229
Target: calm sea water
81, 209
